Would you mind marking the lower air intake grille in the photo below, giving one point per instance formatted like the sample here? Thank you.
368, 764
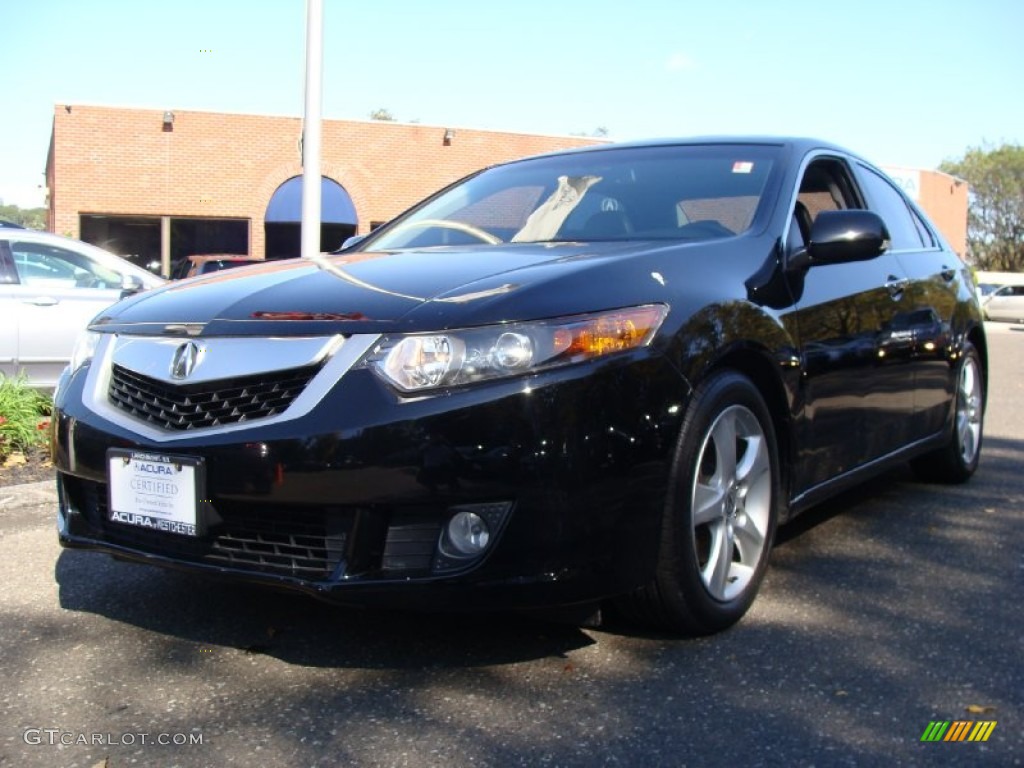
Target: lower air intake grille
306, 543
312, 543
208, 404
308, 548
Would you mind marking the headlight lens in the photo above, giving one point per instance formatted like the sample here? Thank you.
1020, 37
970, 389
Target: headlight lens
421, 362
85, 348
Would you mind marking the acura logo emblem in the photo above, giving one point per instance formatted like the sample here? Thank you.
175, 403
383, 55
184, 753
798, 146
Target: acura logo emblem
184, 360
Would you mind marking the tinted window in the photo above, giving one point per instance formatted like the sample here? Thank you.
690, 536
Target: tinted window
922, 229
664, 193
888, 202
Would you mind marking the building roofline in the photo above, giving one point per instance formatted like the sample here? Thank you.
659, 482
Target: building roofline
326, 119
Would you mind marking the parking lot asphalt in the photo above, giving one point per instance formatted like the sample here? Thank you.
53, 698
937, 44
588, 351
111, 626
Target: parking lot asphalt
886, 610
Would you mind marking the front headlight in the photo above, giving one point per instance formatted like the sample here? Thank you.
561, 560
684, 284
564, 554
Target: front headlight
419, 362
85, 348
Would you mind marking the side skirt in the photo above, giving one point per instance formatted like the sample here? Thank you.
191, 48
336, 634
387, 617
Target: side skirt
818, 493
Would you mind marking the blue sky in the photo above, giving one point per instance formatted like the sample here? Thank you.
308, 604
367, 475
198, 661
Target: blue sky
903, 82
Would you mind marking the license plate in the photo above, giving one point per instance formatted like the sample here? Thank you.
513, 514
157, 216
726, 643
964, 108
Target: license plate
155, 491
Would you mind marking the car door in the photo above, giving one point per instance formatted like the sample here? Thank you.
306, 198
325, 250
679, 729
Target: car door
8, 302
938, 280
857, 399
58, 291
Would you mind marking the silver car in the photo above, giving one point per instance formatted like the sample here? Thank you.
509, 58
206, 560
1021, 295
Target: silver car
1005, 303
50, 287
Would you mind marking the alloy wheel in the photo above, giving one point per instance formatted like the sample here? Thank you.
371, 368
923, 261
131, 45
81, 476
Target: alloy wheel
968, 410
731, 502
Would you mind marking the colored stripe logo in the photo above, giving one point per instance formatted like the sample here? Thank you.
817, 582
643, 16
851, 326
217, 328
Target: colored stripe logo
958, 730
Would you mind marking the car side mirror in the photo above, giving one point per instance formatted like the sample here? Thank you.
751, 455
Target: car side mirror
839, 237
130, 285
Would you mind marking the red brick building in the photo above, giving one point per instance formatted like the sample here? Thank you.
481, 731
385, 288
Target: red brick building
943, 197
158, 185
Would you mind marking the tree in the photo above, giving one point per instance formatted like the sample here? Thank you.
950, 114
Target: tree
33, 218
995, 217
601, 132
382, 114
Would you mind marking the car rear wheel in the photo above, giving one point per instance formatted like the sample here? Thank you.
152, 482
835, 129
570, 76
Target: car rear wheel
957, 460
721, 516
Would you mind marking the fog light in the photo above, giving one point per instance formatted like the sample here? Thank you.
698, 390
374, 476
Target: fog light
468, 534
471, 532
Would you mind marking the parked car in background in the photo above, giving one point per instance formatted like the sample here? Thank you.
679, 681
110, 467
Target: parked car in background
603, 374
987, 289
1005, 302
50, 288
201, 264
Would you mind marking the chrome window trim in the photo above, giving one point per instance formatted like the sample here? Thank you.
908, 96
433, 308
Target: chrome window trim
851, 170
339, 354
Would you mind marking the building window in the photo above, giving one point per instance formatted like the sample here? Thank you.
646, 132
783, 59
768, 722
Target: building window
137, 238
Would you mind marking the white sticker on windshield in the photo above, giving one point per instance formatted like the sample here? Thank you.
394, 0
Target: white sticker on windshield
742, 166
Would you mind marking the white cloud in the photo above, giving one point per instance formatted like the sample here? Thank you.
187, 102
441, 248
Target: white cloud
679, 62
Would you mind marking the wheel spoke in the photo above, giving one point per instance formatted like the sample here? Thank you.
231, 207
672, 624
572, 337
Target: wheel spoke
969, 445
750, 538
716, 573
708, 503
968, 385
754, 462
724, 435
739, 577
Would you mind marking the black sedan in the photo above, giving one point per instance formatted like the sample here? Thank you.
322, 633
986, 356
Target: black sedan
599, 375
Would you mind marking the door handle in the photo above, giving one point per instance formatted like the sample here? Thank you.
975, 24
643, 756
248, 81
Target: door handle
896, 286
947, 273
43, 301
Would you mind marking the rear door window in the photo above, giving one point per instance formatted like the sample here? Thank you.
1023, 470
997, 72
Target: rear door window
888, 202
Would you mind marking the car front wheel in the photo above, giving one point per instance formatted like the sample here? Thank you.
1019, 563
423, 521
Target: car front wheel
721, 516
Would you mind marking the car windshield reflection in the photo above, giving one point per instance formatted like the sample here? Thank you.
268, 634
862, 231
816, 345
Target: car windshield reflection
643, 193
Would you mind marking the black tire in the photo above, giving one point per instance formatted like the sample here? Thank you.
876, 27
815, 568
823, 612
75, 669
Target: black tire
957, 460
689, 595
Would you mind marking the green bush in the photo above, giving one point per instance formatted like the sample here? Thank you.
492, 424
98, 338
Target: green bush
23, 416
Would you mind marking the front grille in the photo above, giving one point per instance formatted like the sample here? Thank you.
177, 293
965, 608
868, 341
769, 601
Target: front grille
208, 404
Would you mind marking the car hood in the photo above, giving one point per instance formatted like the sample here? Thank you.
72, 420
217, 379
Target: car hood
358, 292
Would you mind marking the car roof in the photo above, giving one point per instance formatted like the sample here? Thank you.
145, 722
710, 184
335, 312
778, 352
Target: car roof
799, 144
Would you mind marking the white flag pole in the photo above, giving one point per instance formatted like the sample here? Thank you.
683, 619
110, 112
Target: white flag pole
312, 130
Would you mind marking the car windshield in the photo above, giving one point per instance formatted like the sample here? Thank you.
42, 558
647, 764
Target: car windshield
692, 192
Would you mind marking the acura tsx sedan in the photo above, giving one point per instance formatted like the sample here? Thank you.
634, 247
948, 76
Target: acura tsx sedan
597, 376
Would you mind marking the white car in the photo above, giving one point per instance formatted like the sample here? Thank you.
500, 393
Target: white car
50, 288
1005, 303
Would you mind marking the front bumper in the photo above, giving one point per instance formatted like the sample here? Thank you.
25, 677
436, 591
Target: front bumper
350, 501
